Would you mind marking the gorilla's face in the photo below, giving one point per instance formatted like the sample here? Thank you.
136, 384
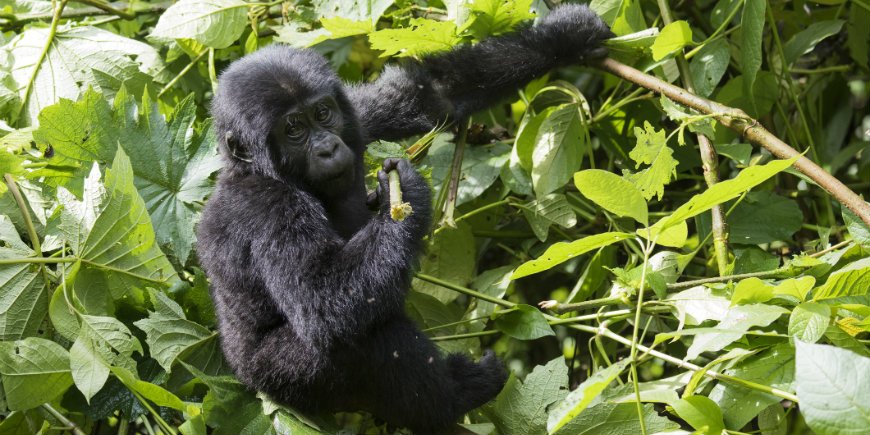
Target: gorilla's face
307, 142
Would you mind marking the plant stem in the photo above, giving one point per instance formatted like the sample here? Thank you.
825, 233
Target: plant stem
693, 283
107, 8
474, 212
62, 418
55, 21
468, 335
465, 291
181, 74
739, 121
586, 305
709, 159
638, 308
832, 248
31, 230
455, 173
37, 260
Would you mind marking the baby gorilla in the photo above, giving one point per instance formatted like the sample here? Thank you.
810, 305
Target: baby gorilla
308, 284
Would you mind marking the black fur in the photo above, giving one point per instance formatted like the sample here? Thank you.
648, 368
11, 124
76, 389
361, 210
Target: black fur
308, 284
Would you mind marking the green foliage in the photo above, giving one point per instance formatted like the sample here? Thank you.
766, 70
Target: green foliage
583, 189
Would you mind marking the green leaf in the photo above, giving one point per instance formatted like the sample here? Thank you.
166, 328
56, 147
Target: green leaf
450, 256
480, 168
809, 321
559, 147
214, 23
832, 386
154, 393
673, 37
168, 331
782, 218
552, 209
724, 191
494, 17
701, 413
102, 342
851, 280
422, 37
78, 58
23, 300
773, 367
524, 323
737, 321
699, 304
751, 291
651, 149
738, 152
808, 38
521, 407
171, 163
110, 231
709, 65
356, 10
859, 231
341, 27
607, 418
561, 252
751, 32
579, 399
796, 287
612, 193
674, 237
35, 371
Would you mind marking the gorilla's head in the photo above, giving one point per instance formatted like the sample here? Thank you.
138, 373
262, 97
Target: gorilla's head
283, 113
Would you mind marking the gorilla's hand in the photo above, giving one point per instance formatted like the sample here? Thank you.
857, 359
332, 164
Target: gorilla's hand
575, 32
415, 190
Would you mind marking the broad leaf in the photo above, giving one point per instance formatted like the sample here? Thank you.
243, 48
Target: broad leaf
852, 280
35, 371
213, 23
450, 256
23, 299
701, 413
494, 17
111, 234
559, 147
78, 57
521, 407
524, 323
102, 342
708, 67
751, 32
154, 393
168, 331
651, 149
832, 386
607, 418
552, 209
809, 321
612, 193
807, 39
422, 37
738, 320
673, 37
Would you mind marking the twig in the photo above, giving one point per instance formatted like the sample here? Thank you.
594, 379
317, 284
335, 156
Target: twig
107, 8
62, 418
467, 335
709, 159
181, 73
693, 283
465, 291
558, 308
455, 173
22, 19
751, 129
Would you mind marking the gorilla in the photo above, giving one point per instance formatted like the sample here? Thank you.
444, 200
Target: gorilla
309, 284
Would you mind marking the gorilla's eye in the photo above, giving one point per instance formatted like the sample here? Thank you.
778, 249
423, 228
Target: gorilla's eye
322, 113
295, 129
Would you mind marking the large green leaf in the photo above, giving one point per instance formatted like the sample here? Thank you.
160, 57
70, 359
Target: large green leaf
102, 342
852, 280
673, 37
809, 321
79, 57
773, 367
607, 418
171, 161
168, 331
111, 233
213, 23
562, 251
701, 413
521, 407
738, 320
35, 371
525, 322
708, 67
422, 37
559, 147
782, 218
23, 300
493, 17
152, 392
724, 191
832, 385
552, 209
451, 257
612, 193
808, 38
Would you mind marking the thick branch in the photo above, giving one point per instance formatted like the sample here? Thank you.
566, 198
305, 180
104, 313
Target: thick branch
739, 121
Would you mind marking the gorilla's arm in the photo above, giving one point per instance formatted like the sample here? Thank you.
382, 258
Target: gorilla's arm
416, 96
330, 288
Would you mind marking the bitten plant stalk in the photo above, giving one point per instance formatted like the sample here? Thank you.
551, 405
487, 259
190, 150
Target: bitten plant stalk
399, 210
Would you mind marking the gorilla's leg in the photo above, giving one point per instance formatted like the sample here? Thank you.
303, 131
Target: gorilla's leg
409, 384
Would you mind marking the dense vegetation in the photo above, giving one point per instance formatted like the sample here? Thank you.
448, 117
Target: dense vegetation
677, 299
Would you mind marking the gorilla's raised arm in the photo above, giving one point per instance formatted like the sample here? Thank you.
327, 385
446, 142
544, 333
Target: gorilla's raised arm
414, 97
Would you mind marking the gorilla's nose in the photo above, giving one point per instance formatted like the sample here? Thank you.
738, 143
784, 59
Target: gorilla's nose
326, 148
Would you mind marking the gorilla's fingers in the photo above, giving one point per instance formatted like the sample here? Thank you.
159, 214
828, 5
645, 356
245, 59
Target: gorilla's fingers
391, 164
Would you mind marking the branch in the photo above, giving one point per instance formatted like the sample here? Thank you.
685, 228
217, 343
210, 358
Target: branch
19, 20
751, 129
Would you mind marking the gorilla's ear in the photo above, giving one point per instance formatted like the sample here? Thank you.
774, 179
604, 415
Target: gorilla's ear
236, 149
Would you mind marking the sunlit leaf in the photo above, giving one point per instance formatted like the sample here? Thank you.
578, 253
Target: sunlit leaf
832, 385
612, 193
562, 251
35, 371
214, 23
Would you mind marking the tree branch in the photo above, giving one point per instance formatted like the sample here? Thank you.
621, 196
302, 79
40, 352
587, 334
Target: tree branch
751, 129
